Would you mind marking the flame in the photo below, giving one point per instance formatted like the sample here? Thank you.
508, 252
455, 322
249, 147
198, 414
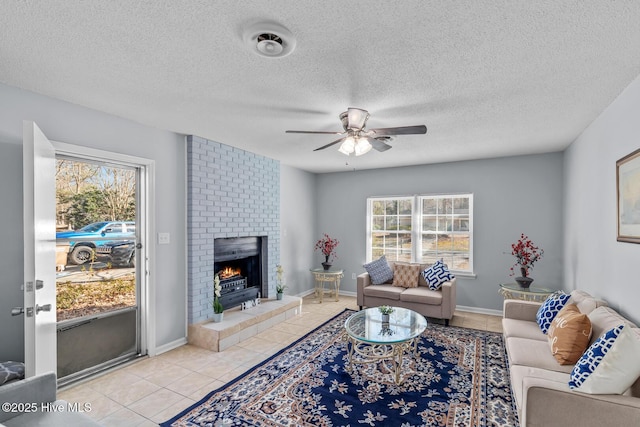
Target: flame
228, 272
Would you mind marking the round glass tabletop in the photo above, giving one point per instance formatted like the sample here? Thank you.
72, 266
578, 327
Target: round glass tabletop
514, 287
367, 326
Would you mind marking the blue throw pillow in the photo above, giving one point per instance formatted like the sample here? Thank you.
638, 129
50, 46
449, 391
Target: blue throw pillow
611, 365
436, 275
548, 310
379, 271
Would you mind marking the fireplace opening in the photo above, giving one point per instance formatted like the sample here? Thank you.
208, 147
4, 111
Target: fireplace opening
241, 265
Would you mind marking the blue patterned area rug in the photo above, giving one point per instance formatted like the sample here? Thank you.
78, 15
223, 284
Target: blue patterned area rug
460, 378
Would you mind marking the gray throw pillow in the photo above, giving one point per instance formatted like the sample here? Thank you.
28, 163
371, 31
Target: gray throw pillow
11, 371
379, 271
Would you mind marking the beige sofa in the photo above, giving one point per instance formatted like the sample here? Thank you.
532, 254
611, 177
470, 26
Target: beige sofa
439, 304
540, 384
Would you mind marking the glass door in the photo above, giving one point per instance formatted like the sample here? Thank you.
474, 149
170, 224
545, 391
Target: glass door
98, 284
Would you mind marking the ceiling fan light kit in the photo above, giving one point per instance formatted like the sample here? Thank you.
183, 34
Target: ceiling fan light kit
269, 39
359, 141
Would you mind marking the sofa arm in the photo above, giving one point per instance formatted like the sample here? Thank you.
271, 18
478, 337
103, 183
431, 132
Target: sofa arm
363, 280
449, 298
547, 402
34, 390
520, 310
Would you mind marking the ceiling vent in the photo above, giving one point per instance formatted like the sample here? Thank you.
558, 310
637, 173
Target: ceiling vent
269, 39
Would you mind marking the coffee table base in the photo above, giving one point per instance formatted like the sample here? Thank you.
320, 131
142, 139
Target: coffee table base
373, 353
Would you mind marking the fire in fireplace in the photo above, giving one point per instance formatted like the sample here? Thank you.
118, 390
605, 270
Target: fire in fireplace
229, 272
241, 265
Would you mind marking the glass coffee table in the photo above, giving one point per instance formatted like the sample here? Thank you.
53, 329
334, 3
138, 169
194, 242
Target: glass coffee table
370, 339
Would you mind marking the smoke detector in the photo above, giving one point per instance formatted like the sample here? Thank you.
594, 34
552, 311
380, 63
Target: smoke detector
269, 39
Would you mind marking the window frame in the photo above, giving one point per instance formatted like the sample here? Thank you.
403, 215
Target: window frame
417, 226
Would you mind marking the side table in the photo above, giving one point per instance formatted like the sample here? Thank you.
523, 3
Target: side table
322, 276
532, 293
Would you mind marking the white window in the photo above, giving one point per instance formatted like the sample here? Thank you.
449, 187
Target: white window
422, 229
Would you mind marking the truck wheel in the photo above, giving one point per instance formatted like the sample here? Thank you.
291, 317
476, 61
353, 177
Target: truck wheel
82, 254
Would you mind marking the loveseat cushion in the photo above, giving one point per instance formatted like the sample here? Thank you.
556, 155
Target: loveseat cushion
379, 271
383, 291
422, 295
604, 319
569, 335
548, 310
436, 275
610, 365
533, 353
405, 275
522, 329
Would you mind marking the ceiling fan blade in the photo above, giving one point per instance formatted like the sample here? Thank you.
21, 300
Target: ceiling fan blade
378, 145
403, 130
330, 144
314, 131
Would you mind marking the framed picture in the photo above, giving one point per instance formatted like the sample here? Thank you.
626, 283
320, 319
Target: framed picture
628, 189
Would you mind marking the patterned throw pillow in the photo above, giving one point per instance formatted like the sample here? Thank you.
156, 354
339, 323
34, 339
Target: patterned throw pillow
569, 335
436, 275
406, 275
11, 371
611, 365
379, 271
548, 310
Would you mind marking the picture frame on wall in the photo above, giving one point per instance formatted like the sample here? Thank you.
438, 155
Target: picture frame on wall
628, 192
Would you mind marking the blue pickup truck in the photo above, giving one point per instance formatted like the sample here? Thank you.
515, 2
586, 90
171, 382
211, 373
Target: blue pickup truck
97, 237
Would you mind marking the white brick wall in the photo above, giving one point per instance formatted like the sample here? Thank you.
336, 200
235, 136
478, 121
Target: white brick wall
231, 193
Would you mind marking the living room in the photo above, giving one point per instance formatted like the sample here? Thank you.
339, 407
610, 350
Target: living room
565, 199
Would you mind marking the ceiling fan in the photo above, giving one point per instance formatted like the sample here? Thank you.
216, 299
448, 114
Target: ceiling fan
358, 140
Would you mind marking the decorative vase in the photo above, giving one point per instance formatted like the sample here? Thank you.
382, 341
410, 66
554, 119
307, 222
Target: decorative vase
525, 280
385, 319
326, 264
279, 295
217, 317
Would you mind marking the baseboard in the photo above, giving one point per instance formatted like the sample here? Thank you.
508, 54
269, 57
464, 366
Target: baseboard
170, 346
479, 310
311, 291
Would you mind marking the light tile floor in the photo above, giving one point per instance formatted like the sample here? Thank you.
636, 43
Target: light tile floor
152, 390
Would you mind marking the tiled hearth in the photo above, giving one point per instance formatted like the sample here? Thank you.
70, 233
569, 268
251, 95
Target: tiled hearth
238, 325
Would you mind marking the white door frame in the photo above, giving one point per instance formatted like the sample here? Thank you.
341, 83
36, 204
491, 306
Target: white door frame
146, 204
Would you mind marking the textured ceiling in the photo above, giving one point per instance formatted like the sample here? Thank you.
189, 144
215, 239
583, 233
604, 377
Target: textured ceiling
488, 78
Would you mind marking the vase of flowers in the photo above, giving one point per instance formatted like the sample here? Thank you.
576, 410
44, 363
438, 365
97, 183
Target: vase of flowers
385, 311
280, 286
527, 254
218, 309
327, 246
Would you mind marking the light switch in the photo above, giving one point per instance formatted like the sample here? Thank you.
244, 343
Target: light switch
164, 238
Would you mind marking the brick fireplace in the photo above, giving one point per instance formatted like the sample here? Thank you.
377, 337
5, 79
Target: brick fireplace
231, 193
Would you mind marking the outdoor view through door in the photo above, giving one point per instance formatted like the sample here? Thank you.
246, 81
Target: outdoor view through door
97, 294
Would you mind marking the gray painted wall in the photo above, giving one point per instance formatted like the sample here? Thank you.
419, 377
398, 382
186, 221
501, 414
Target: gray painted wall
512, 195
297, 229
11, 257
596, 262
65, 122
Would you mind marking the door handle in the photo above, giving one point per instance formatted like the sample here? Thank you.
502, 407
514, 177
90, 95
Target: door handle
17, 311
46, 307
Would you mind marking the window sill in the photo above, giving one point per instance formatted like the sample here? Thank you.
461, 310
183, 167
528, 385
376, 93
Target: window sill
465, 274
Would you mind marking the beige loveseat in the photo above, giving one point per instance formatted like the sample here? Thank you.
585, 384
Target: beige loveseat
540, 384
438, 304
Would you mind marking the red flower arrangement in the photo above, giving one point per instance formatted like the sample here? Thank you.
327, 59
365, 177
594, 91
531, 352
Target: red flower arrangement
327, 245
526, 254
